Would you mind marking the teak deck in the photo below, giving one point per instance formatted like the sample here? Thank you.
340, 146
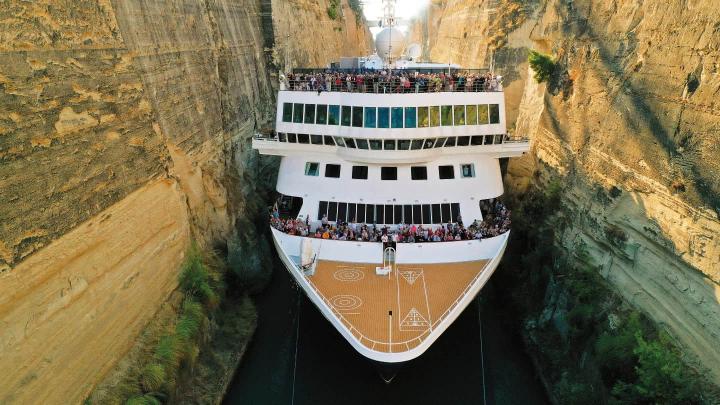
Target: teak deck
393, 313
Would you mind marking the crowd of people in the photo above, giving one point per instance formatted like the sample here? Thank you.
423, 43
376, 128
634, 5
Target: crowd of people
496, 221
387, 81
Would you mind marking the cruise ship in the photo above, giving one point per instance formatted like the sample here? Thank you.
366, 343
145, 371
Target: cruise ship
389, 214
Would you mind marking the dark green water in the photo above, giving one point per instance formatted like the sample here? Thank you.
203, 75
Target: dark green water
326, 370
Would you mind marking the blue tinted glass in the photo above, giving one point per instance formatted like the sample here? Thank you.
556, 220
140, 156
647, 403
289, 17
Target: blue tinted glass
410, 117
383, 117
397, 117
334, 115
346, 116
370, 117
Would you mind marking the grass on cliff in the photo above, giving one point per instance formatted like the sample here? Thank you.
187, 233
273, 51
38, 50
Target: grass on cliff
590, 345
543, 65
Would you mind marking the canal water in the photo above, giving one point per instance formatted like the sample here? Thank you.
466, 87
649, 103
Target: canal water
297, 357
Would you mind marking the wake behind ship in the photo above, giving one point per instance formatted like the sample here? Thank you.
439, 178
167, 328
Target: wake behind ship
389, 216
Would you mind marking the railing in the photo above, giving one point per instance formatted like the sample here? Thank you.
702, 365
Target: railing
428, 143
392, 86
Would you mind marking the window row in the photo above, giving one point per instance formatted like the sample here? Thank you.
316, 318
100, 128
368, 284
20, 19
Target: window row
389, 214
445, 172
391, 117
391, 144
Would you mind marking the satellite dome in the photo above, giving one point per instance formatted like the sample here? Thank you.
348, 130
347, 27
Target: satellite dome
414, 51
390, 43
374, 62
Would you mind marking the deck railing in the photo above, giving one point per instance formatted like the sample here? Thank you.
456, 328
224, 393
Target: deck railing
391, 87
497, 140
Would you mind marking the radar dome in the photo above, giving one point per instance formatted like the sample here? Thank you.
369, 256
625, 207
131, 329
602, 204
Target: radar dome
374, 62
390, 43
414, 51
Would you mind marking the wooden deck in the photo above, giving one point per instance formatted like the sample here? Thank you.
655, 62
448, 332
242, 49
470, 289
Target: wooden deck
393, 313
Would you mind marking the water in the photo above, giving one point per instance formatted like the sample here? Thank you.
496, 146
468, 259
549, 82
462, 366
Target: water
326, 370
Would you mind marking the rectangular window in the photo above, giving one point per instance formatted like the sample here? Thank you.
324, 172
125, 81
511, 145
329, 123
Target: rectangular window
340, 141
298, 113
350, 143
435, 116
342, 212
489, 139
435, 214
467, 170
423, 117
303, 138
397, 117
287, 112
471, 114
446, 217
389, 144
455, 211
334, 115
483, 114
446, 115
446, 172
388, 173
321, 117
494, 114
416, 144
282, 136
332, 211
429, 143
357, 116
398, 214
332, 170
370, 213
463, 141
426, 214
476, 140
440, 142
322, 209
450, 142
352, 215
417, 215
370, 117
375, 144
410, 117
346, 116
407, 214
316, 139
360, 172
389, 214
418, 173
361, 213
459, 113
383, 117
379, 214
498, 139
292, 138
309, 113
404, 144
362, 143
329, 140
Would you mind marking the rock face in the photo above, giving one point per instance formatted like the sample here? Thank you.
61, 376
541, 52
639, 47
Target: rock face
124, 133
631, 122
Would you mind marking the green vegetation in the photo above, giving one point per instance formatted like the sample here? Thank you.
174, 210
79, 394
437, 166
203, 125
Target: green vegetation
333, 9
591, 347
542, 64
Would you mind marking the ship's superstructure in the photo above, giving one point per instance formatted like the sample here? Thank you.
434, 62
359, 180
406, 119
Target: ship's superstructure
389, 179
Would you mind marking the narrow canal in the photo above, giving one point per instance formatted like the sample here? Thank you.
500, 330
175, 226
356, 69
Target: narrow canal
297, 357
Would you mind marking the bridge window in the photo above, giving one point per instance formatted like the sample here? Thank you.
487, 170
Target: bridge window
416, 214
303, 138
471, 114
445, 213
467, 170
436, 214
298, 113
361, 213
423, 117
362, 143
322, 209
416, 144
450, 142
397, 117
389, 144
489, 139
360, 172
463, 141
483, 114
440, 142
282, 136
476, 140
388, 173
370, 117
494, 114
352, 212
309, 113
429, 143
329, 140
342, 212
316, 139
357, 116
398, 214
389, 214
332, 211
312, 169
418, 173
426, 214
446, 172
404, 144
332, 170
410, 117
446, 115
340, 141
383, 117
498, 139
334, 115
346, 116
370, 213
287, 112
350, 143
321, 114
292, 138
435, 116
455, 210
375, 144
459, 114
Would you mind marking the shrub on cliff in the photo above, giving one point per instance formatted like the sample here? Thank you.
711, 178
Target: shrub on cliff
333, 8
542, 64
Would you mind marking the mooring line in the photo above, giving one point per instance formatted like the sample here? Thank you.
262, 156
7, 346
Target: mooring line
297, 340
482, 351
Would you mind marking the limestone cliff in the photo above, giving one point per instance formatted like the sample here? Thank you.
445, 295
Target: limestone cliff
631, 122
124, 133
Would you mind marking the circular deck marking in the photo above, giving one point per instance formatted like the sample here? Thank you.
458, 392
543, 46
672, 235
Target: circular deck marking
345, 302
348, 275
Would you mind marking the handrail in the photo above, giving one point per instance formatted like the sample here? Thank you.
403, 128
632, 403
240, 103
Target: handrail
388, 87
505, 139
